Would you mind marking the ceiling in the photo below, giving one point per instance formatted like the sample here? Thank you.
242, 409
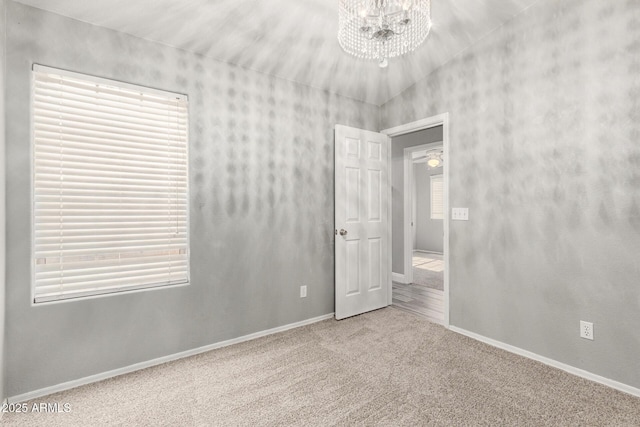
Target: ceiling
292, 39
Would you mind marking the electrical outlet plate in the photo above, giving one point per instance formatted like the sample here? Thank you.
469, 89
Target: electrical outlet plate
303, 291
586, 330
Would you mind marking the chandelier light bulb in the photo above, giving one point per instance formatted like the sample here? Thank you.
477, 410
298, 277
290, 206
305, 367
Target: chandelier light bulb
383, 62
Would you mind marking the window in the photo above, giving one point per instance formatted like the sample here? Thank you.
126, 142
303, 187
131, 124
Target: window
110, 186
437, 197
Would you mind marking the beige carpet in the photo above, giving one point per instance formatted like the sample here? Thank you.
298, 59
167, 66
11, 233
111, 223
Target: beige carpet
387, 367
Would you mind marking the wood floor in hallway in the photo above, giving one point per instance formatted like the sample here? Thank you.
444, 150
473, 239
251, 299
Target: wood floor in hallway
421, 297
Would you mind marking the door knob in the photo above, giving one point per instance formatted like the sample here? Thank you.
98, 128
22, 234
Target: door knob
343, 232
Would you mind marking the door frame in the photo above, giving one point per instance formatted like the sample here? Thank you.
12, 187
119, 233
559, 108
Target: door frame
409, 187
426, 123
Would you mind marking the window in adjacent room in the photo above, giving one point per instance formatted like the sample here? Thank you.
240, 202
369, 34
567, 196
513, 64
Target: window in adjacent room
437, 197
110, 186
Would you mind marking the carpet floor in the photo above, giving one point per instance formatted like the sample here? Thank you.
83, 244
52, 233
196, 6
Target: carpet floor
387, 367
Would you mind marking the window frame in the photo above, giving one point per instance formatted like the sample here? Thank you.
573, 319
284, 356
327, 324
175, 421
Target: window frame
32, 145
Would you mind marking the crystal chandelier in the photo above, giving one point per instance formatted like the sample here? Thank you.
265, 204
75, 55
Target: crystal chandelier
382, 29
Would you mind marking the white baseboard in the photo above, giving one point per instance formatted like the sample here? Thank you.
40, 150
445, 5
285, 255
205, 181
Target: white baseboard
142, 365
399, 278
547, 361
428, 252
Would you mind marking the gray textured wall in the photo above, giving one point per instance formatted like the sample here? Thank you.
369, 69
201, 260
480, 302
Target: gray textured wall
398, 144
545, 152
3, 5
261, 159
428, 232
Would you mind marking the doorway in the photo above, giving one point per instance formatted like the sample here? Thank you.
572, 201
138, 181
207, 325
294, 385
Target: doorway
420, 247
422, 290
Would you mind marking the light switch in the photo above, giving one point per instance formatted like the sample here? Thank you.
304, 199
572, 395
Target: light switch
460, 214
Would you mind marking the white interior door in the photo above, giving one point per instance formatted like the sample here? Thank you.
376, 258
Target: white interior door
362, 220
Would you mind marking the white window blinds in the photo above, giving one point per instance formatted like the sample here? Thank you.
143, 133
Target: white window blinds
110, 186
437, 197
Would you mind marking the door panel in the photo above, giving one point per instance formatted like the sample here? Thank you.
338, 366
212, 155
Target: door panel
362, 221
375, 262
375, 195
353, 194
353, 267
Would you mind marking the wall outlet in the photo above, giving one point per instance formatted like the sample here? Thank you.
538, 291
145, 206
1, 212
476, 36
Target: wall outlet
460, 214
586, 330
303, 291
